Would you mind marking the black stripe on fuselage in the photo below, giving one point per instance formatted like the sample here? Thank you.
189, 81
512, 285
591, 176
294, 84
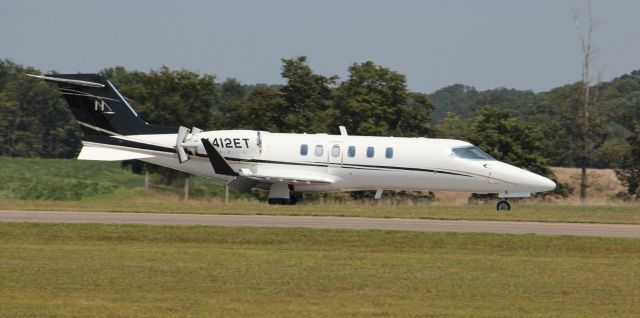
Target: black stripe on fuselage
347, 166
407, 169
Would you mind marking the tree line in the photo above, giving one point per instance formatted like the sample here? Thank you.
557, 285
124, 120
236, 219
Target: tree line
611, 133
527, 129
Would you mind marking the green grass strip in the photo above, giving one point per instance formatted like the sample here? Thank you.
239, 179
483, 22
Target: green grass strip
84, 270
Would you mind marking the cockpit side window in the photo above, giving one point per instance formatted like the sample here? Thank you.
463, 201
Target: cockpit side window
471, 152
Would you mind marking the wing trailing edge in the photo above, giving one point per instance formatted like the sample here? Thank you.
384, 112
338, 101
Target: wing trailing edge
283, 177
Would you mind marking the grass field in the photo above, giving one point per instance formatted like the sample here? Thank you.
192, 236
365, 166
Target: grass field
150, 271
72, 180
61, 179
88, 270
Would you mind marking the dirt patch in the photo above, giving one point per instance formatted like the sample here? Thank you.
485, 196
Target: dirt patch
602, 186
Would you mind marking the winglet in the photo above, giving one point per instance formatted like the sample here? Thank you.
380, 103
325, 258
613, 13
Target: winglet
219, 165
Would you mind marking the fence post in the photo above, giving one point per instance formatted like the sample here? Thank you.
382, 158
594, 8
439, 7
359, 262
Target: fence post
186, 188
226, 193
146, 181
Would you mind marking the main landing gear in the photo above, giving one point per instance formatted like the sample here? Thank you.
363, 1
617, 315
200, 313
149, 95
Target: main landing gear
282, 194
503, 205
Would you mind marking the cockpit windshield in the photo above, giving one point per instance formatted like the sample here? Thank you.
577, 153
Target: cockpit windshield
471, 152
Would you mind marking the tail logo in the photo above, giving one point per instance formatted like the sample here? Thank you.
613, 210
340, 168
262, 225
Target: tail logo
98, 101
102, 105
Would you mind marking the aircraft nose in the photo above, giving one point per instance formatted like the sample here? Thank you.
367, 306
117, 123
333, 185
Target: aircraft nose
539, 183
525, 180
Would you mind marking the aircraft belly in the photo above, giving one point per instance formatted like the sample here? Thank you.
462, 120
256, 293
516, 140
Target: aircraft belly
355, 179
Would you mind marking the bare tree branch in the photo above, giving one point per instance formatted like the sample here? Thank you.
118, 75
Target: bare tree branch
589, 55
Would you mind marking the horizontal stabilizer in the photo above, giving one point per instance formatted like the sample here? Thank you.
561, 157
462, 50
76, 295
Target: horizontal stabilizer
109, 154
68, 81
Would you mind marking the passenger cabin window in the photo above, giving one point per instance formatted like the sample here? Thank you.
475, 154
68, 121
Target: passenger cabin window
388, 152
335, 151
304, 150
471, 152
319, 150
351, 152
370, 152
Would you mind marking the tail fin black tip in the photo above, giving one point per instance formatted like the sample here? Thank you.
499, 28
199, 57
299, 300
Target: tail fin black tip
99, 108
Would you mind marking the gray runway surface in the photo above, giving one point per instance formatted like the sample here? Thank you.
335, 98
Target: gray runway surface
326, 222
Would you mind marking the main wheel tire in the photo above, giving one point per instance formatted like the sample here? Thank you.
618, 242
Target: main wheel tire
278, 201
295, 198
281, 201
503, 206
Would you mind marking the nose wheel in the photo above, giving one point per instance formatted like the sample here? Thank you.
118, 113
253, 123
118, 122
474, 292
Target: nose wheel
503, 206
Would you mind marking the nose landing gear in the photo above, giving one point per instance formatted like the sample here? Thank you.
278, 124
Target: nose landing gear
503, 205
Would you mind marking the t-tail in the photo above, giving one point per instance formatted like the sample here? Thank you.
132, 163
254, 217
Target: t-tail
99, 108
112, 129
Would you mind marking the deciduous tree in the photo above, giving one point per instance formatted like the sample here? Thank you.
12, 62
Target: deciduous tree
307, 97
629, 172
374, 100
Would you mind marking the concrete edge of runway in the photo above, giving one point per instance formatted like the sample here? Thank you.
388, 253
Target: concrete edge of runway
327, 222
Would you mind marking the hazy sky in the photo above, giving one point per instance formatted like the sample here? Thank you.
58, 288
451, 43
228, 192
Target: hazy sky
486, 44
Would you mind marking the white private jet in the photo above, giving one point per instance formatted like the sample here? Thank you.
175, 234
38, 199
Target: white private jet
287, 164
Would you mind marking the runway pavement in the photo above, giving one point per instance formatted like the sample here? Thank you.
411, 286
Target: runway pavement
326, 222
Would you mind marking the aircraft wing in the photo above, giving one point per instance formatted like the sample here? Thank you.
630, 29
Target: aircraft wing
245, 179
285, 177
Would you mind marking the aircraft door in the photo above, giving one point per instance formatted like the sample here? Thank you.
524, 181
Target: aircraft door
336, 152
